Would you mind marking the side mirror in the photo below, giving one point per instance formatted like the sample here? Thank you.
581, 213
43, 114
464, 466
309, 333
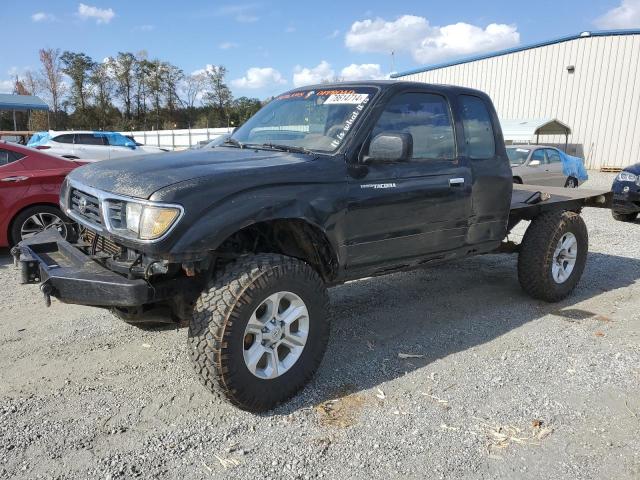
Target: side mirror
534, 163
130, 144
390, 147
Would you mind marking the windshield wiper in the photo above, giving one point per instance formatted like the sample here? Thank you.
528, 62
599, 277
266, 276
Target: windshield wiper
287, 148
234, 142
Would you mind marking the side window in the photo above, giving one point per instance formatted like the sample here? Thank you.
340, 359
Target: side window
5, 157
8, 156
539, 156
116, 139
66, 138
553, 156
426, 117
90, 139
478, 130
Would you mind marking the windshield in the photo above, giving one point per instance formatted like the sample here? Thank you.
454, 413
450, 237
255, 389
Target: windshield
316, 120
517, 156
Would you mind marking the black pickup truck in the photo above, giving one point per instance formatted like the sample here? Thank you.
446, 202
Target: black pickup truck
325, 184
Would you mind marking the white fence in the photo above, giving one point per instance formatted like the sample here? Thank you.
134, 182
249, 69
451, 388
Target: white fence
177, 139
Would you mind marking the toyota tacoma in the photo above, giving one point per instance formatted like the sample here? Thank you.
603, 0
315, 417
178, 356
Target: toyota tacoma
325, 184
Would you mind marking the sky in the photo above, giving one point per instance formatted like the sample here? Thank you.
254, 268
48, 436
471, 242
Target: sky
272, 46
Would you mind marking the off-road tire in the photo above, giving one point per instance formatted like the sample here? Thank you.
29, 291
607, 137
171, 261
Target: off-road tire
624, 217
537, 255
221, 314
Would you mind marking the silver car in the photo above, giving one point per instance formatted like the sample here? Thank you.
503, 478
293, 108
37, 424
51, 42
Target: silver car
538, 165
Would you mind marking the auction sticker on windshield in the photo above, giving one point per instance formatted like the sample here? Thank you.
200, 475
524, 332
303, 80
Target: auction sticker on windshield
348, 98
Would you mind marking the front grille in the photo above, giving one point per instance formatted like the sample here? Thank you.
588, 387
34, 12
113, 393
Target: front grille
86, 206
100, 244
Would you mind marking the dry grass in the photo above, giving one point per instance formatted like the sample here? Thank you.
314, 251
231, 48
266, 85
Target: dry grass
499, 437
342, 411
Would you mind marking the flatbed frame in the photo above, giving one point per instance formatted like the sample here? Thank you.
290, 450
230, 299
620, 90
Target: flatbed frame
529, 201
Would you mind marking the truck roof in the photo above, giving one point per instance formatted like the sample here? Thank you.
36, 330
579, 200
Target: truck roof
389, 85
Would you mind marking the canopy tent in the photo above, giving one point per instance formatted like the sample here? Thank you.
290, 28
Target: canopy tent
524, 130
21, 103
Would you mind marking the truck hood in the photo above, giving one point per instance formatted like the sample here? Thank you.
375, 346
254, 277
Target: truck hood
140, 177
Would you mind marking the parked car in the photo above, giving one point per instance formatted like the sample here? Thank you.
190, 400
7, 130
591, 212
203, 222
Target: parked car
29, 191
541, 165
323, 185
626, 194
90, 146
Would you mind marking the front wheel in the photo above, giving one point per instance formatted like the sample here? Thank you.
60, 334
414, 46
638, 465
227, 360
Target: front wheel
259, 331
553, 255
38, 218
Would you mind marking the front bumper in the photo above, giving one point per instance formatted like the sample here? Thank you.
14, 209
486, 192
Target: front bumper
65, 272
626, 201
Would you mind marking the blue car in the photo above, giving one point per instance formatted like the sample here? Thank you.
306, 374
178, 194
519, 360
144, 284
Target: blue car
626, 194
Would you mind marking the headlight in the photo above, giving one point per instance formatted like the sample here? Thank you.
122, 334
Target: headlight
626, 177
149, 222
141, 221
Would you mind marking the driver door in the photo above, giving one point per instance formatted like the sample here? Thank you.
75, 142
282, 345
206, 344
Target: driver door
536, 169
415, 208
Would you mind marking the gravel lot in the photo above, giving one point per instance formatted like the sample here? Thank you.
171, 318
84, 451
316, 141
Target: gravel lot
501, 386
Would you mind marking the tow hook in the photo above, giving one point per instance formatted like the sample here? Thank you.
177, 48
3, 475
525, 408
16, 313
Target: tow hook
47, 290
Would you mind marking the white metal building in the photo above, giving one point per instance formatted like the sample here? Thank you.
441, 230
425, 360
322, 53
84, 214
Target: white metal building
591, 81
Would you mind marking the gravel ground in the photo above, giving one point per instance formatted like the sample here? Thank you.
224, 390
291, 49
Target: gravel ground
501, 386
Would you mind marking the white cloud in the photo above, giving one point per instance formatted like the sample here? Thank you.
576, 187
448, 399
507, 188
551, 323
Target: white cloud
381, 36
627, 15
241, 13
43, 17
334, 34
144, 28
100, 15
426, 43
464, 39
6, 86
259, 78
290, 29
365, 71
227, 45
307, 76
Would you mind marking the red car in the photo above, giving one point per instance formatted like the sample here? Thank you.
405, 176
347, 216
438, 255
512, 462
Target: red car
29, 187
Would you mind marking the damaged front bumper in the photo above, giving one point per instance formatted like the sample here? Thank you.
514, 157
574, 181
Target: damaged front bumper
68, 274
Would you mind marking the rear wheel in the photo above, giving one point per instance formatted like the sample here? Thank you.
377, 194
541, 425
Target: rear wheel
38, 218
624, 217
259, 331
571, 183
517, 180
553, 255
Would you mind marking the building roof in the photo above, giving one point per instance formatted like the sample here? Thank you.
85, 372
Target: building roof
568, 38
525, 129
21, 102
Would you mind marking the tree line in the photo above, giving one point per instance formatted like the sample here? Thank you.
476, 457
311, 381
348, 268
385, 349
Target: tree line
127, 92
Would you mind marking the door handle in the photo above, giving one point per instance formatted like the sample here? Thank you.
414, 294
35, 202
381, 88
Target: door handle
13, 179
454, 182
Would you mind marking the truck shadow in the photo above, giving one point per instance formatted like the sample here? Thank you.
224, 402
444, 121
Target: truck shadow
434, 313
430, 314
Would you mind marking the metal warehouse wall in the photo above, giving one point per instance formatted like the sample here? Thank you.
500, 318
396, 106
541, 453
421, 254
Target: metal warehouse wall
600, 101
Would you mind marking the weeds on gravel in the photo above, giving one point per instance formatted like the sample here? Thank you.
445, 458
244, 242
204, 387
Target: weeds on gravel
499, 437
